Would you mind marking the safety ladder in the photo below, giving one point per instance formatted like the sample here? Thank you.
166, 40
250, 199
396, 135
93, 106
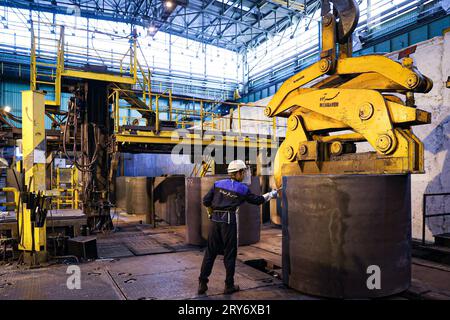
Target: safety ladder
43, 69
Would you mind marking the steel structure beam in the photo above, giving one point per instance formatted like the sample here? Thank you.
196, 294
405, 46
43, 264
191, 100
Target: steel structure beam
224, 23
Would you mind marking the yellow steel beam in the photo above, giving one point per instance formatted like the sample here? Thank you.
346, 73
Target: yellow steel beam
404, 76
97, 76
290, 85
171, 138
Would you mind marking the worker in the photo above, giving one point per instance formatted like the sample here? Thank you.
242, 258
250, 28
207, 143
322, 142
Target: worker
221, 202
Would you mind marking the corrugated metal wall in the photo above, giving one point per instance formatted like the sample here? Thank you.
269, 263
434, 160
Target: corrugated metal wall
155, 165
11, 95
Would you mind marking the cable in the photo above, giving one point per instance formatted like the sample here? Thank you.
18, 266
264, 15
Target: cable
82, 167
17, 180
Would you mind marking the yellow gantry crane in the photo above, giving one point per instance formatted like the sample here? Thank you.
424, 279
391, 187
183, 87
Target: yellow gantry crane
371, 96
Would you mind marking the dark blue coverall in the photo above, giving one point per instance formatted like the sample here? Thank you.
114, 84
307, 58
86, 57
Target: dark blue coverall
224, 198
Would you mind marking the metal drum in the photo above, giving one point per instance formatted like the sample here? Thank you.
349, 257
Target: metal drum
139, 195
249, 215
169, 199
347, 236
121, 192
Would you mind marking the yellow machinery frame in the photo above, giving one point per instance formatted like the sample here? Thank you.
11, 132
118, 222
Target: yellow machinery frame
71, 197
359, 94
128, 78
209, 128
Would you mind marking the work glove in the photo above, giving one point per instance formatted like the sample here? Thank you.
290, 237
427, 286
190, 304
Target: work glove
210, 212
270, 195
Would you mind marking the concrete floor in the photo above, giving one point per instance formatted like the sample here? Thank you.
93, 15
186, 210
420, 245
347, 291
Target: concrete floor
140, 262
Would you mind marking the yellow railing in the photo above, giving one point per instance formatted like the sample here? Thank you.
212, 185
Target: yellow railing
196, 118
67, 195
70, 59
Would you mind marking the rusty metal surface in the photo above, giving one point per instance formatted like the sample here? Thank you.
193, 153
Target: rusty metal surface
139, 195
335, 227
193, 209
250, 218
121, 185
169, 199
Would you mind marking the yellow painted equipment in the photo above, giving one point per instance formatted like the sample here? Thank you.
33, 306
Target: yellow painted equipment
53, 74
32, 239
67, 188
209, 123
370, 97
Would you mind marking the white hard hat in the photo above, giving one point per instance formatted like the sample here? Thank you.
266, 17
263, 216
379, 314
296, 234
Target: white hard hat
236, 165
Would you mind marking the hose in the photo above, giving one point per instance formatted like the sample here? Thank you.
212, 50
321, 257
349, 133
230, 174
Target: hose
82, 167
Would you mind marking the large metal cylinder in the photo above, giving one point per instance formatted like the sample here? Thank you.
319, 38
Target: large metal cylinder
197, 217
139, 195
339, 229
169, 199
121, 191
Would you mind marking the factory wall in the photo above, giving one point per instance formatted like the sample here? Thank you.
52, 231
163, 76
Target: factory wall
155, 165
432, 58
11, 95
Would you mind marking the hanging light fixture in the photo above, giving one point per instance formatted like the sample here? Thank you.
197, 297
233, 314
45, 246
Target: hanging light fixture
168, 4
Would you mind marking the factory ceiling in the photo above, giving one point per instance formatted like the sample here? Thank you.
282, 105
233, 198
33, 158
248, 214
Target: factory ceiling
232, 24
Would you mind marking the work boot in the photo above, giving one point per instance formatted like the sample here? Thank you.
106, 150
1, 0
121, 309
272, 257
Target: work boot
231, 289
202, 287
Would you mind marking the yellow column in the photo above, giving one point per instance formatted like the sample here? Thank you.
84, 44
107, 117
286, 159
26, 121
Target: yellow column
34, 159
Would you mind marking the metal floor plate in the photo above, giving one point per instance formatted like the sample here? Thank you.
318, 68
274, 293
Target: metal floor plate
178, 279
163, 276
113, 250
131, 240
51, 284
168, 275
